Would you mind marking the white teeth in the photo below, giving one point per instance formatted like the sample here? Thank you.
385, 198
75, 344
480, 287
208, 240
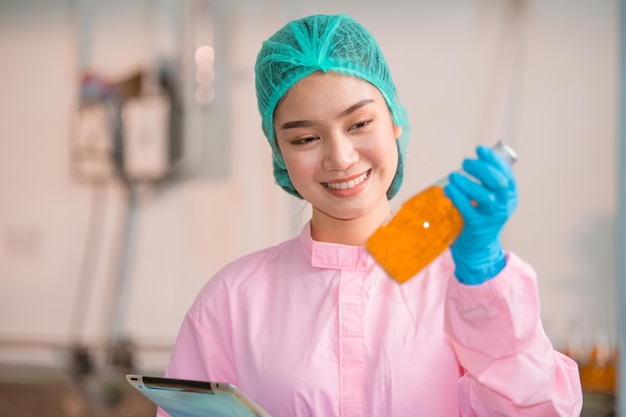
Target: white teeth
347, 184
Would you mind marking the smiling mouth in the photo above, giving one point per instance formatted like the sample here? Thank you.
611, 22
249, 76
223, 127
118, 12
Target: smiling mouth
347, 184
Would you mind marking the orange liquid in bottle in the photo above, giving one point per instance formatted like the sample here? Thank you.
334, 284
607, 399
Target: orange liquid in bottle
423, 228
597, 375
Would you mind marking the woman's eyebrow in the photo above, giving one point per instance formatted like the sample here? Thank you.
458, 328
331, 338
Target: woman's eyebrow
355, 107
307, 123
296, 123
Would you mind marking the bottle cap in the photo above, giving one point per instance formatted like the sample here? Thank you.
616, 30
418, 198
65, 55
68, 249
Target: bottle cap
506, 152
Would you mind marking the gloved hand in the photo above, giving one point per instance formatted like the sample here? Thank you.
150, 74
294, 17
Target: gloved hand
485, 203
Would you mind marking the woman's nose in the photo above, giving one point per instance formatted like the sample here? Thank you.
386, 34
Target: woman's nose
339, 153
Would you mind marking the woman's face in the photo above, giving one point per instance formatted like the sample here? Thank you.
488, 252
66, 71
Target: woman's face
338, 141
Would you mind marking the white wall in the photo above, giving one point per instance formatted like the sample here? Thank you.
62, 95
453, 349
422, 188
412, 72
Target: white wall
464, 73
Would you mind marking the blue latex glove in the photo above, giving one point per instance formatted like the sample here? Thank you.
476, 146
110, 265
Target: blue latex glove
485, 202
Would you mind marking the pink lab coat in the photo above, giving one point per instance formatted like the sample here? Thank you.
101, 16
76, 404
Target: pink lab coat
317, 329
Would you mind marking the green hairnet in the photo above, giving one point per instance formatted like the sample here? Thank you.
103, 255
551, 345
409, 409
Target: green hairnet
322, 43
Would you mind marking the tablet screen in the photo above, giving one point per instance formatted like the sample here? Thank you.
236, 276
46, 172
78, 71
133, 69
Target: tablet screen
185, 398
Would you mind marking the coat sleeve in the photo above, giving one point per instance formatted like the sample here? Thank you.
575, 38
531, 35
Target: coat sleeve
203, 349
511, 366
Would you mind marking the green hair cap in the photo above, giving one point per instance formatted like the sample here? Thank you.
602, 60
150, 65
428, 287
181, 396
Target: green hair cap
323, 43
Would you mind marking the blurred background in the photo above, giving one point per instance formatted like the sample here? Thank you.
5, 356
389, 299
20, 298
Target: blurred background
133, 167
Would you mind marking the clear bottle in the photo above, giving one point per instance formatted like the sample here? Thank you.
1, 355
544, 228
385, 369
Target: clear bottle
422, 229
598, 372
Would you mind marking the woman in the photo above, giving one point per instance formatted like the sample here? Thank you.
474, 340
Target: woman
313, 326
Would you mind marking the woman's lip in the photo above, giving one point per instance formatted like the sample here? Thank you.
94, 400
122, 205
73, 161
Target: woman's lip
348, 182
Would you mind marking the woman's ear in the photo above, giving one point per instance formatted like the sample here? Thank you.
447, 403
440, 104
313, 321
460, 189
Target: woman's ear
397, 131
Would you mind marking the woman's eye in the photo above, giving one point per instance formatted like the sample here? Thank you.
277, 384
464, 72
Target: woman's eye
361, 125
302, 141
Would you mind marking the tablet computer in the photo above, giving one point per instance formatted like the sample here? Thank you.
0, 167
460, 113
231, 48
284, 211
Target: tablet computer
186, 398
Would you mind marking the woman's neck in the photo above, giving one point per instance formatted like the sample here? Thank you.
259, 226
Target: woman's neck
354, 232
